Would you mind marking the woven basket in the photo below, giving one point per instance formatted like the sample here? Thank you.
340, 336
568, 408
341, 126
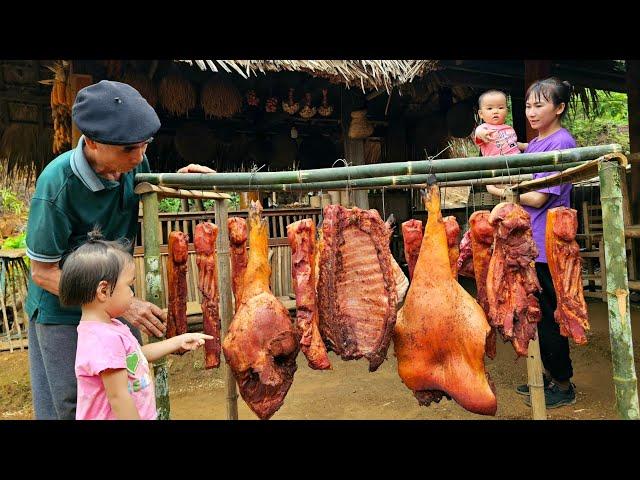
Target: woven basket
176, 94
360, 127
143, 85
220, 99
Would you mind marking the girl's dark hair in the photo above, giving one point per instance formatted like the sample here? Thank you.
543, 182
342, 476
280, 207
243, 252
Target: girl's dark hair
89, 264
552, 90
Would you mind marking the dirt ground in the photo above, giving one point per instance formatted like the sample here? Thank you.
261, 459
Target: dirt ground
349, 391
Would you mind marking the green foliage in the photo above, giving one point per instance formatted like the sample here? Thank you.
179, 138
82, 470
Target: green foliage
234, 201
607, 122
11, 203
12, 243
170, 205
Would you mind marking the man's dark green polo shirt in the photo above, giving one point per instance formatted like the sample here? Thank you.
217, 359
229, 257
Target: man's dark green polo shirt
70, 199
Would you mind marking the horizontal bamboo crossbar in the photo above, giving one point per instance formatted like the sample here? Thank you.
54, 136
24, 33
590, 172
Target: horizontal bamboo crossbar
162, 191
252, 179
574, 174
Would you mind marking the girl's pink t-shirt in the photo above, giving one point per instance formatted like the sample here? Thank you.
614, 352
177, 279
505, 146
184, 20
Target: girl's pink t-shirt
506, 142
103, 346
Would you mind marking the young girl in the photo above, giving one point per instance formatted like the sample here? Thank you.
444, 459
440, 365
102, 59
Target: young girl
546, 104
111, 368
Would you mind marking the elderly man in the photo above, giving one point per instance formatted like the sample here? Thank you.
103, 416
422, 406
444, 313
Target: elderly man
87, 186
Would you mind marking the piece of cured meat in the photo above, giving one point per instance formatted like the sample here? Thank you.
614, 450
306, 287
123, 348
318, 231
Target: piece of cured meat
177, 284
452, 230
465, 260
356, 287
565, 266
512, 282
302, 239
207, 261
481, 246
239, 256
262, 343
440, 334
412, 239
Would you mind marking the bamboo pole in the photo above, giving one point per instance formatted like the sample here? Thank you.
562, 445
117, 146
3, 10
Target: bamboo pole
624, 375
155, 295
224, 281
534, 360
200, 180
401, 181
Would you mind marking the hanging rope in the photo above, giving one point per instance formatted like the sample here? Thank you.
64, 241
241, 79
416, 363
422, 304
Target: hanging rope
254, 170
348, 189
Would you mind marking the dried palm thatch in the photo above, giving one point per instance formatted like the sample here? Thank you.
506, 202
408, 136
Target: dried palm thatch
220, 98
366, 74
143, 85
25, 150
176, 94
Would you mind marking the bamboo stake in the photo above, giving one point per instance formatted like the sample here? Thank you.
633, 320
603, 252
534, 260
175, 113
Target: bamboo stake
617, 291
224, 276
5, 318
201, 180
534, 360
154, 294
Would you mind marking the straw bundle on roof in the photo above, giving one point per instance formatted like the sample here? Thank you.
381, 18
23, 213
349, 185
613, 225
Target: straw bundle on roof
372, 74
220, 98
143, 85
176, 94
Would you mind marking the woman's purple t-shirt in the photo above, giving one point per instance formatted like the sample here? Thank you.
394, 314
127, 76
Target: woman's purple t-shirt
559, 196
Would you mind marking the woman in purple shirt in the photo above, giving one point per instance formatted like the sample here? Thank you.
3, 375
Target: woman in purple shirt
546, 104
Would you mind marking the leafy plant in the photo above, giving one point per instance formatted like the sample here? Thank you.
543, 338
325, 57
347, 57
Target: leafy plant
11, 203
18, 241
170, 205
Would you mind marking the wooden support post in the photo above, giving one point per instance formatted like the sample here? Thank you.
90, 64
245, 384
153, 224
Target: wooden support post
354, 153
534, 362
617, 292
226, 310
534, 70
633, 107
155, 294
78, 82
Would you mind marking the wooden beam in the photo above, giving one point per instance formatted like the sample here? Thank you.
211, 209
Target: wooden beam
633, 106
534, 70
78, 82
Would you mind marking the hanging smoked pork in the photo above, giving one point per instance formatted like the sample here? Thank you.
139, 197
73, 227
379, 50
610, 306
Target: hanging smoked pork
207, 261
481, 236
356, 287
465, 259
452, 229
177, 284
512, 282
412, 239
302, 239
440, 334
262, 343
239, 257
565, 266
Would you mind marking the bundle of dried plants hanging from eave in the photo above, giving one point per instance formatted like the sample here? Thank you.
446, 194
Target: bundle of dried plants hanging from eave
176, 94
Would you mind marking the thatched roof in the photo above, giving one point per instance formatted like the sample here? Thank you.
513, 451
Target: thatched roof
364, 74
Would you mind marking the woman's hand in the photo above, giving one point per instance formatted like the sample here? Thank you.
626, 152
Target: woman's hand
192, 341
195, 168
493, 190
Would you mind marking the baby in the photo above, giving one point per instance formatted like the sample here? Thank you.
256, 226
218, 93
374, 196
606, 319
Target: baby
493, 136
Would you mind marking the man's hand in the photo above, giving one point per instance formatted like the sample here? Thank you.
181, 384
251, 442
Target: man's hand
195, 168
147, 317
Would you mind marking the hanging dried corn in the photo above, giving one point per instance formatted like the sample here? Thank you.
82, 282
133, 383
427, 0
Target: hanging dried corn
61, 103
143, 85
176, 94
220, 98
